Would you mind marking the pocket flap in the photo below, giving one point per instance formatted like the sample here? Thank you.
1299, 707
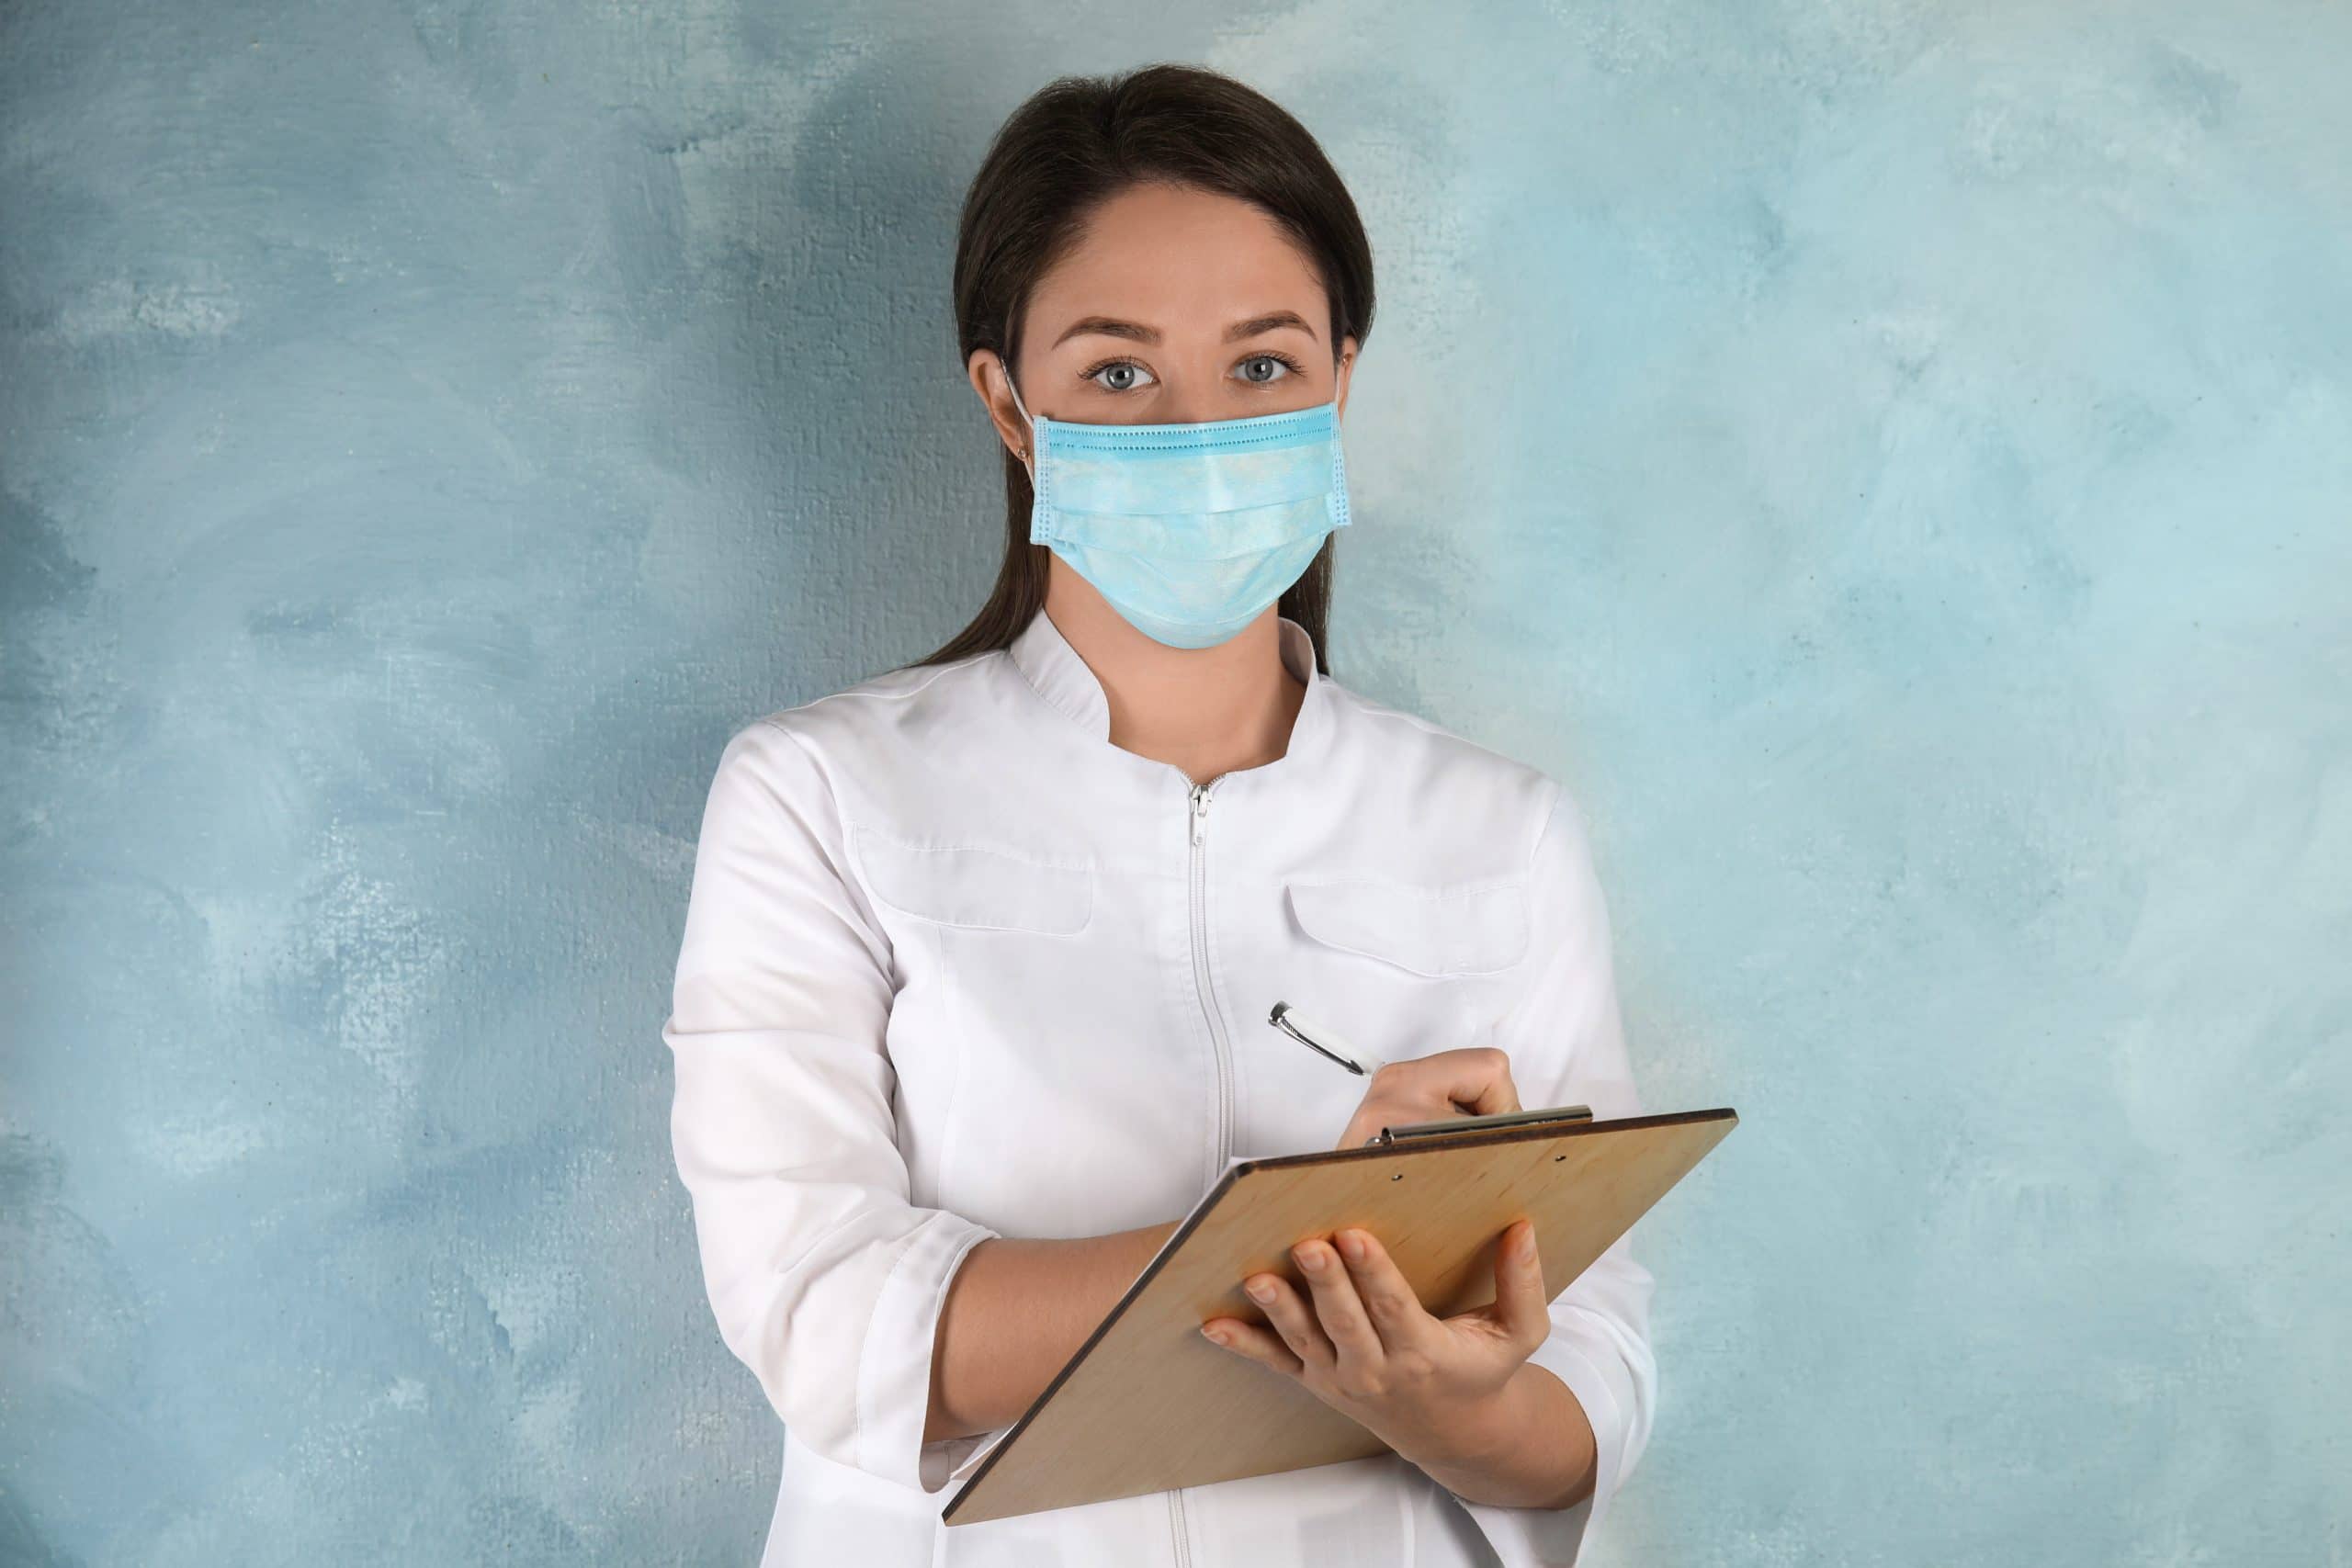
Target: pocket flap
969, 884
1464, 929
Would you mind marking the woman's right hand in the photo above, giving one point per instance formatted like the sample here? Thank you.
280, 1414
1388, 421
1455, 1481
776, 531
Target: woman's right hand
1472, 1081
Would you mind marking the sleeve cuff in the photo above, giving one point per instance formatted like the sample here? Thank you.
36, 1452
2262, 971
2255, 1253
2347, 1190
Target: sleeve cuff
950, 1462
894, 1369
1551, 1538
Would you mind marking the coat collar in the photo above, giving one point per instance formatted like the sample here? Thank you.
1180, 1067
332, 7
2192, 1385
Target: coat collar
1068, 683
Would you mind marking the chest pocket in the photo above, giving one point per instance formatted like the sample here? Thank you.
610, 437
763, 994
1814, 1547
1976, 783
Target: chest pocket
976, 886
1434, 929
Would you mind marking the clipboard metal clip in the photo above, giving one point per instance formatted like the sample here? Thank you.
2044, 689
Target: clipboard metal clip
1478, 1123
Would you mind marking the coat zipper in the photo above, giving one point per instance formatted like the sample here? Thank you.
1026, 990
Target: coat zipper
1200, 810
1197, 811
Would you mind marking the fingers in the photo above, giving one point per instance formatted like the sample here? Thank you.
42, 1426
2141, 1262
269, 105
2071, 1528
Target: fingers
1359, 1324
1292, 1318
1250, 1340
1396, 1313
1520, 1309
1339, 1311
1473, 1080
1358, 1311
1482, 1080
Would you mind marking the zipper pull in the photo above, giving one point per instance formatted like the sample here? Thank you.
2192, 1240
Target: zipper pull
1200, 808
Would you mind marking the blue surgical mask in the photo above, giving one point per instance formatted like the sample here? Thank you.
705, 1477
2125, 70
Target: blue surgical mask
1188, 531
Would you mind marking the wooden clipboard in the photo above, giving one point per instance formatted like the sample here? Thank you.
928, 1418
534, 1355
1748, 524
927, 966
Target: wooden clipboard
1146, 1404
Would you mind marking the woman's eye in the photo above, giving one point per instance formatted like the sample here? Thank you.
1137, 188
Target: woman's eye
1275, 369
1126, 368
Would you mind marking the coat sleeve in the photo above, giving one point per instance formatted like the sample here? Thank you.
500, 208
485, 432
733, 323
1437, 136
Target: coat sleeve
1566, 1047
826, 1280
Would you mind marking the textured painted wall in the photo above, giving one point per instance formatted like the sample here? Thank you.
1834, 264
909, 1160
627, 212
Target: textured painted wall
1893, 460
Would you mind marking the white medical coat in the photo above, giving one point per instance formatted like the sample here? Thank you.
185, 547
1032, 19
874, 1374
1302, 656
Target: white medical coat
954, 966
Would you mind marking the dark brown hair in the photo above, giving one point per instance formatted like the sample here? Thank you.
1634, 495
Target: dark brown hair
1077, 141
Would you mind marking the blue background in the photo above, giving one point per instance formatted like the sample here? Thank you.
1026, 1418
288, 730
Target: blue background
1891, 460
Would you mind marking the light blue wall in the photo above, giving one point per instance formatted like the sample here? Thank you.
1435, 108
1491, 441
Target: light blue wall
1893, 461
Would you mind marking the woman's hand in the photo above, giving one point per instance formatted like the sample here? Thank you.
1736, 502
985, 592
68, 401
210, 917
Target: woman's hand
1428, 1387
1472, 1081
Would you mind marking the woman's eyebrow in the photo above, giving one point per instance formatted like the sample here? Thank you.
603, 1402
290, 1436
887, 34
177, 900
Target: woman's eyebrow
1267, 323
1111, 326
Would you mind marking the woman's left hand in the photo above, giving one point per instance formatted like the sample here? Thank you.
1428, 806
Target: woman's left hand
1365, 1346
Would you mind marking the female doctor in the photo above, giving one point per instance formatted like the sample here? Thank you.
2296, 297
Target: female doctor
971, 1002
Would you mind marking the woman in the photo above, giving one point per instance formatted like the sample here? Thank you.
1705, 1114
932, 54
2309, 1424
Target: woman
969, 1008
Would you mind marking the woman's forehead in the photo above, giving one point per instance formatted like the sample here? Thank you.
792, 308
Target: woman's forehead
1182, 264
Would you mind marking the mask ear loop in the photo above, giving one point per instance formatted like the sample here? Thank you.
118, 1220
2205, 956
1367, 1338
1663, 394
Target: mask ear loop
1025, 414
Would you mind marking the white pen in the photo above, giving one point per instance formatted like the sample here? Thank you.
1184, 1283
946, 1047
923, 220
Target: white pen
1323, 1041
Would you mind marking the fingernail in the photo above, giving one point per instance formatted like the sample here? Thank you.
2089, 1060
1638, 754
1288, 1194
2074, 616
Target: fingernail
1215, 1335
1352, 1245
1310, 1257
1261, 1291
